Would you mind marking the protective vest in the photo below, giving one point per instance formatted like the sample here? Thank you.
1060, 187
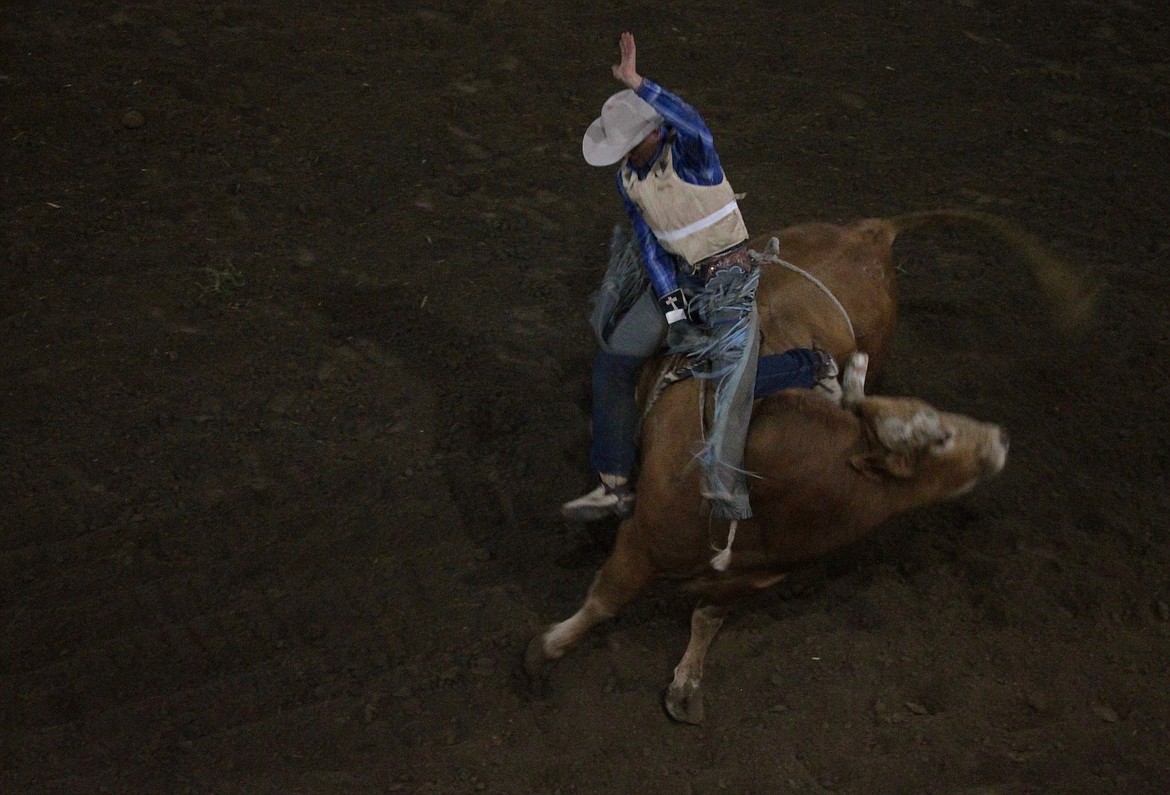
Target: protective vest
692, 221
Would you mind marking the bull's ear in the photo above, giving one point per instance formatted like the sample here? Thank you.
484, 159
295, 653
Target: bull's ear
875, 466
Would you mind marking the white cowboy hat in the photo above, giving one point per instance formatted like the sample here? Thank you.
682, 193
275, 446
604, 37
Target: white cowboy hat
625, 120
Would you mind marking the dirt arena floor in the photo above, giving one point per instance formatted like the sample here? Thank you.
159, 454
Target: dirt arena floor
295, 377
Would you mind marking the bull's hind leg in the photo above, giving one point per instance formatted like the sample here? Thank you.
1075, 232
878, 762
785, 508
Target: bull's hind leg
684, 697
620, 580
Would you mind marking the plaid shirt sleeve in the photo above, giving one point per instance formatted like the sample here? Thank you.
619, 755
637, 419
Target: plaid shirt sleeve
695, 159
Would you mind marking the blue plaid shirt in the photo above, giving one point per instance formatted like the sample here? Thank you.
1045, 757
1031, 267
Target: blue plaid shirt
695, 161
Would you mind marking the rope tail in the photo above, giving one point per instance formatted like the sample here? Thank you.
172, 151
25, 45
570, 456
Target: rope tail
721, 561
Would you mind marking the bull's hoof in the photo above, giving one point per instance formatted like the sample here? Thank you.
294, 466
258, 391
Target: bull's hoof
684, 702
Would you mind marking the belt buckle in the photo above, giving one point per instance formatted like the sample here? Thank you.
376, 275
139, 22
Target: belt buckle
721, 261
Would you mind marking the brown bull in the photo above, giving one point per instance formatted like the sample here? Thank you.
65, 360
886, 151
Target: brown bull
829, 474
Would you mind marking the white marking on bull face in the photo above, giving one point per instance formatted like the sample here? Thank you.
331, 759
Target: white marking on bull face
922, 430
952, 451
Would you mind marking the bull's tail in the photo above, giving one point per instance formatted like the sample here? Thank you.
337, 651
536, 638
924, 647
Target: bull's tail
1069, 289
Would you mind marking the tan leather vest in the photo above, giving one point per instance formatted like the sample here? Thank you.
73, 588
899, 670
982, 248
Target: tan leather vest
692, 221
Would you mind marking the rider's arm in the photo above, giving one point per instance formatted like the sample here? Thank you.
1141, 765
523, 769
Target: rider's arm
694, 152
694, 147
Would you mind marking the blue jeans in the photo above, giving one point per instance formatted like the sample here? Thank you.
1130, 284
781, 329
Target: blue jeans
794, 368
615, 415
638, 334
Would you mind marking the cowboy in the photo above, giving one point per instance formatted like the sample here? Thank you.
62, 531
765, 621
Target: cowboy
688, 227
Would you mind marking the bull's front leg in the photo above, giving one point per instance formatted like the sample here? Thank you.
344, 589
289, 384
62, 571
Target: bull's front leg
620, 580
684, 697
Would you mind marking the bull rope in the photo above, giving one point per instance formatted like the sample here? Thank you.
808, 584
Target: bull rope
775, 260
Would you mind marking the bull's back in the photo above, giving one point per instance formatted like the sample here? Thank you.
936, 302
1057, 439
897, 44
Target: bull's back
855, 264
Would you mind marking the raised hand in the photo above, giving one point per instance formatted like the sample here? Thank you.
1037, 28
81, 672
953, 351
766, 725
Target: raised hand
627, 70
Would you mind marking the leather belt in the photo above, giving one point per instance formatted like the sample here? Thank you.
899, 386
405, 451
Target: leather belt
734, 257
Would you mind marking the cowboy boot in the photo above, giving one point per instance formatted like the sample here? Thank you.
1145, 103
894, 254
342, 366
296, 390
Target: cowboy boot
613, 497
826, 383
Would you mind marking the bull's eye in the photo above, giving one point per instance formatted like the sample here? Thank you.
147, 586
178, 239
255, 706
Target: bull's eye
945, 443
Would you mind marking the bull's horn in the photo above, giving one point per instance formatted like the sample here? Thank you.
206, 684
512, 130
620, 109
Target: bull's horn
853, 380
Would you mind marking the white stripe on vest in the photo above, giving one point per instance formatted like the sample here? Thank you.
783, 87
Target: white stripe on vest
698, 226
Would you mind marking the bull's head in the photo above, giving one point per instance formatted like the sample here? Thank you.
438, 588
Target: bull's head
910, 440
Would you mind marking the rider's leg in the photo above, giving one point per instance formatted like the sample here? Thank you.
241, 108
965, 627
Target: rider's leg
613, 451
800, 368
632, 340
